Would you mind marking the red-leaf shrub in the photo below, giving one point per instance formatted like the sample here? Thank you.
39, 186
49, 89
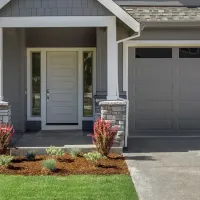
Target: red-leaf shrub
104, 135
6, 134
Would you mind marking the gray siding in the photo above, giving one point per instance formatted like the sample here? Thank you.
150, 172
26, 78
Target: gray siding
170, 34
101, 84
122, 32
14, 75
159, 2
54, 8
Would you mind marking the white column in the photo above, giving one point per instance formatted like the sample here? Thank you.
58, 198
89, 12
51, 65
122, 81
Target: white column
112, 61
1, 64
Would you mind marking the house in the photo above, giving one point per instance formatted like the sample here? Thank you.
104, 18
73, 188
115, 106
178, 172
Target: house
58, 58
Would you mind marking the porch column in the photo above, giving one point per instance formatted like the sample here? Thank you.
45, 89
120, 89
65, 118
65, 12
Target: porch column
112, 61
1, 64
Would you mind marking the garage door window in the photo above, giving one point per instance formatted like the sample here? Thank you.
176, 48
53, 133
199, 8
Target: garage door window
189, 53
153, 53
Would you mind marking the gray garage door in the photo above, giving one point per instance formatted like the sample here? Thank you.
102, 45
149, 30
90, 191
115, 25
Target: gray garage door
164, 91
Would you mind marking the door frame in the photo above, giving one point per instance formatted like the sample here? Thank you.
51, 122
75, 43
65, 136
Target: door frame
43, 117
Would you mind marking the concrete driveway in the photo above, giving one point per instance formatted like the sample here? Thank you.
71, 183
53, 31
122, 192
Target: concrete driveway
171, 174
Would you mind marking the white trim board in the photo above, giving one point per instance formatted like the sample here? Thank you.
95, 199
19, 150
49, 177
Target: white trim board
56, 21
43, 85
121, 14
3, 3
151, 43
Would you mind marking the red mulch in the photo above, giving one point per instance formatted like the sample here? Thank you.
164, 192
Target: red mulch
115, 164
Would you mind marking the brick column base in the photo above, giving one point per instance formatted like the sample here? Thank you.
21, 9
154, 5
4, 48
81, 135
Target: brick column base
5, 112
115, 112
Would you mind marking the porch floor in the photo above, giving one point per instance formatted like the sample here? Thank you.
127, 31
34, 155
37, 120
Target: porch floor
55, 138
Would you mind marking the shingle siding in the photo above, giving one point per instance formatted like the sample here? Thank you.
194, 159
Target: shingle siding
54, 8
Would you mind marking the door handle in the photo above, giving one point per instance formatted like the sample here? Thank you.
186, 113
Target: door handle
47, 94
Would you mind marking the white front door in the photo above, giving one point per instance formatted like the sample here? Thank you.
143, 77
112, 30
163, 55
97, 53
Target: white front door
62, 88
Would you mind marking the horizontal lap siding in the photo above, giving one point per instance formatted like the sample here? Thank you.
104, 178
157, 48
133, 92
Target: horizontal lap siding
54, 8
14, 75
170, 34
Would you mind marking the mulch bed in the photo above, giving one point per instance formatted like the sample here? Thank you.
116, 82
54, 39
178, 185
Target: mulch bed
115, 164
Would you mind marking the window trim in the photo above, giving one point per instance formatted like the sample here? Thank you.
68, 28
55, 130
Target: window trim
30, 117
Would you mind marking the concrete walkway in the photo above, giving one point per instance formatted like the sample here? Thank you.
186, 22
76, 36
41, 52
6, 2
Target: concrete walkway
165, 175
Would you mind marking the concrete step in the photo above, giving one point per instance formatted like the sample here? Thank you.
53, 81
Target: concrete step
21, 151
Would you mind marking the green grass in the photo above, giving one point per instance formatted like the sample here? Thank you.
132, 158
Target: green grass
116, 187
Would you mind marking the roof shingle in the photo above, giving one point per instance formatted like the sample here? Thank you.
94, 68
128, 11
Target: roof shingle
164, 14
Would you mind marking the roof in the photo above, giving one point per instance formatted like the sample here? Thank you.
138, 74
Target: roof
164, 14
111, 6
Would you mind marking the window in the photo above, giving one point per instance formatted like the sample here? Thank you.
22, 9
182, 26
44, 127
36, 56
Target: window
35, 84
189, 53
153, 53
87, 84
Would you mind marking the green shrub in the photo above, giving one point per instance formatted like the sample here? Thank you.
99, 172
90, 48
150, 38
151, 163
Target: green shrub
49, 164
75, 152
30, 156
94, 157
5, 160
55, 151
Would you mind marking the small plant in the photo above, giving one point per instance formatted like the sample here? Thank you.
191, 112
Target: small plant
6, 134
5, 160
94, 157
75, 152
55, 151
104, 135
49, 164
30, 156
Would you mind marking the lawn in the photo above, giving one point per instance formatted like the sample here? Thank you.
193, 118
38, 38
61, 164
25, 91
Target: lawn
75, 187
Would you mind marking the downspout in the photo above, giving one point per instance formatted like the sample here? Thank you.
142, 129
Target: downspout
126, 100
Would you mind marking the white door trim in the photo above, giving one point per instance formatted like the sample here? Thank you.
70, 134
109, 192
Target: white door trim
43, 85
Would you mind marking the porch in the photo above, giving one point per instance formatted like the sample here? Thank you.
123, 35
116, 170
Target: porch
67, 140
54, 138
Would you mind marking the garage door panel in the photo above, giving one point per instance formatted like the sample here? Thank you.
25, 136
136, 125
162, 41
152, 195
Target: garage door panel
153, 124
164, 94
153, 90
189, 124
154, 109
147, 69
189, 70
189, 90
189, 110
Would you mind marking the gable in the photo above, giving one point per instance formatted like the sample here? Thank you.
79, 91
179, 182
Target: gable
25, 8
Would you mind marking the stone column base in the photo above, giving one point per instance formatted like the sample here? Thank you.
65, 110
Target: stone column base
5, 112
115, 112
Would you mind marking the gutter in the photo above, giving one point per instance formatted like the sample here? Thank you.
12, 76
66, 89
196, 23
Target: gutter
126, 100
